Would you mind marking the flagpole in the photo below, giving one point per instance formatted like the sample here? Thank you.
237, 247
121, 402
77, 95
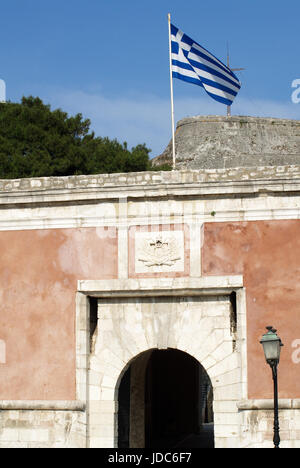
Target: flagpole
228, 65
172, 97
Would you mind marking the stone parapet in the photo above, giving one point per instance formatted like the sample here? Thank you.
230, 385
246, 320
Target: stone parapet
151, 184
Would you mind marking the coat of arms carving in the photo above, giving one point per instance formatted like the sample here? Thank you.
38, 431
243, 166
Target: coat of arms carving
159, 252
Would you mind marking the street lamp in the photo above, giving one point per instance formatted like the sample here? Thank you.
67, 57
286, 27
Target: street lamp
272, 346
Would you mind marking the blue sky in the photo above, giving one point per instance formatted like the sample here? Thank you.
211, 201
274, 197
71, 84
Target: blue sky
109, 59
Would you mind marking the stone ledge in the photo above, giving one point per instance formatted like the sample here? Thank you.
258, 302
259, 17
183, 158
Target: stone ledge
247, 405
39, 405
204, 286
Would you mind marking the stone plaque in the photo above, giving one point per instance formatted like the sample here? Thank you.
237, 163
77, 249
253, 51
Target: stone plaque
159, 252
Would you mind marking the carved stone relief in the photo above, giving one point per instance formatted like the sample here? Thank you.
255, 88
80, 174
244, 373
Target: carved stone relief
159, 251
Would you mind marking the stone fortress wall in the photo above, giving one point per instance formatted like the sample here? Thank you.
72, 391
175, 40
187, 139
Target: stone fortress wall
82, 291
215, 142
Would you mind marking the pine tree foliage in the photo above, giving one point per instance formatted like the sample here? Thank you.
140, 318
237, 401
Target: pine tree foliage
38, 142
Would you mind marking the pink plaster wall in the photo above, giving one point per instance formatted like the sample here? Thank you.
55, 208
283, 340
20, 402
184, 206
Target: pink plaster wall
39, 271
267, 253
38, 280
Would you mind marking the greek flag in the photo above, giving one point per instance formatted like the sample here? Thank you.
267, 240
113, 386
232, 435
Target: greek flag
194, 64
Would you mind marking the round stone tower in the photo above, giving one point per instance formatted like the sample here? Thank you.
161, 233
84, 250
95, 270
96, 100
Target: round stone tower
205, 142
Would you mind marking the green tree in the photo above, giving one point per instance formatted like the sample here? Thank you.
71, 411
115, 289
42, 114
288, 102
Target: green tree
36, 141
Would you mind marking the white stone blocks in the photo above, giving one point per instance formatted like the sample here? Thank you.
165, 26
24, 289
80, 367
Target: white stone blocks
257, 428
198, 325
35, 428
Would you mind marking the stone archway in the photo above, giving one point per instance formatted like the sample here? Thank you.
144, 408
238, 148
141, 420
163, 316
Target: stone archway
193, 316
165, 401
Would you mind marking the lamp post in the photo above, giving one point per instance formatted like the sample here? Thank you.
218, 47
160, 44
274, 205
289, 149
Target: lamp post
272, 346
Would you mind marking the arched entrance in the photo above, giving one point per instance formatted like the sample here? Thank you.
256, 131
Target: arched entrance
198, 317
165, 401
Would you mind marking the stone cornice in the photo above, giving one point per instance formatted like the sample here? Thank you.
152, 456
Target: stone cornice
204, 286
209, 182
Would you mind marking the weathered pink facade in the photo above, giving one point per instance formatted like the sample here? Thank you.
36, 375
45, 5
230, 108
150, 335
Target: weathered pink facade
39, 274
40, 270
267, 254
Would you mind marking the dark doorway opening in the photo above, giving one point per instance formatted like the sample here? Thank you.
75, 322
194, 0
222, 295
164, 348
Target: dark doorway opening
177, 402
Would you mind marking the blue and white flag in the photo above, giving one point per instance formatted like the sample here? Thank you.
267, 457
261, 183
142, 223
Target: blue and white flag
194, 64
